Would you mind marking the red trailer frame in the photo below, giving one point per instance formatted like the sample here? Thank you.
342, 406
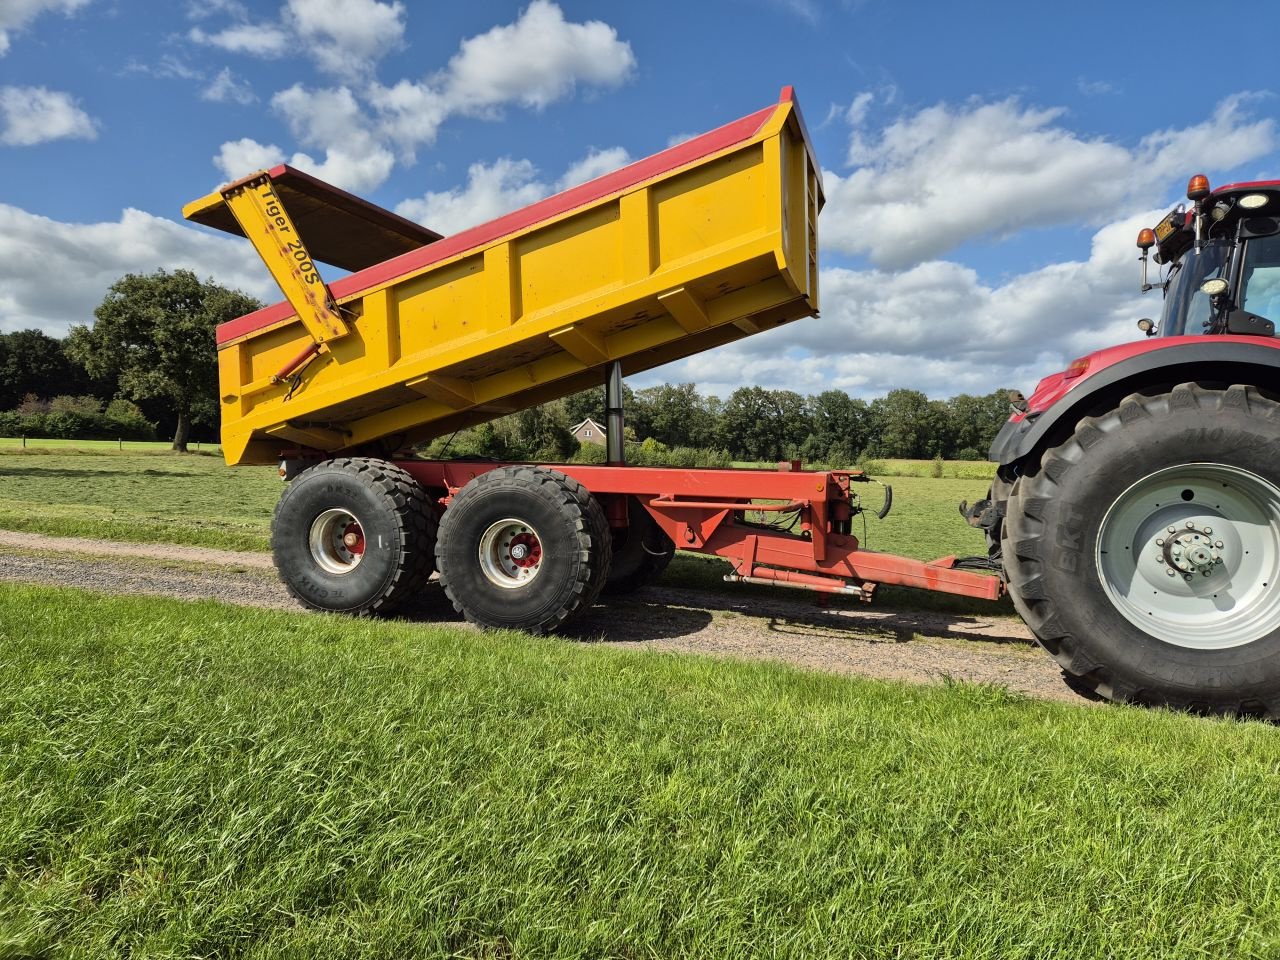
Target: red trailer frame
701, 511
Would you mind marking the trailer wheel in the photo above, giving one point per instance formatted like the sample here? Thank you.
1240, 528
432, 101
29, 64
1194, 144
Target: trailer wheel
524, 548
1145, 552
640, 557
355, 535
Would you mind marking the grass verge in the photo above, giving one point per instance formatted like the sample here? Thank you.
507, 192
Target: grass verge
199, 780
147, 498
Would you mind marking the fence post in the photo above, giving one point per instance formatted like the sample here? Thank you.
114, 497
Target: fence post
24, 441
121, 442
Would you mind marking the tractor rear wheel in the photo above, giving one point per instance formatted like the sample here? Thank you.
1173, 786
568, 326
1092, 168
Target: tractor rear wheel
1145, 552
354, 535
525, 548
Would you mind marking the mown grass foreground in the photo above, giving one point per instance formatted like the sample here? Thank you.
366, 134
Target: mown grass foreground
193, 780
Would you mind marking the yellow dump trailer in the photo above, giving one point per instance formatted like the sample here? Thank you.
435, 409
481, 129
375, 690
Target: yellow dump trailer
707, 242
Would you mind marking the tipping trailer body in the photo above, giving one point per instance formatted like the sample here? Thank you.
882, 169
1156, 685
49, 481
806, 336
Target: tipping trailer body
704, 243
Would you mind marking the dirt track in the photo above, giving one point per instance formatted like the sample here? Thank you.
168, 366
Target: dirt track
840, 637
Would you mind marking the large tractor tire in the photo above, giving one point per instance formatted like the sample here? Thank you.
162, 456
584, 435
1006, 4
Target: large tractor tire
354, 535
1145, 551
522, 547
641, 556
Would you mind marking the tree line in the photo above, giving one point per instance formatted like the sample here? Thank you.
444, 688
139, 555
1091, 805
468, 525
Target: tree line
752, 424
149, 358
147, 364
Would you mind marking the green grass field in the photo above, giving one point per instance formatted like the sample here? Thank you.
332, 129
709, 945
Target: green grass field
145, 497
194, 780
198, 500
130, 446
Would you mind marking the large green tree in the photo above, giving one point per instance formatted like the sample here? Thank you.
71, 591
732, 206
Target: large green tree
155, 333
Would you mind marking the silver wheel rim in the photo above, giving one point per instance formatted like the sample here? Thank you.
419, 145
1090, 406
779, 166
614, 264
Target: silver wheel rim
1190, 554
510, 553
336, 541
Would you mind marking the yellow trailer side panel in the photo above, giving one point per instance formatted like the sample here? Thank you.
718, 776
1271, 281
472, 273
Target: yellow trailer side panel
703, 244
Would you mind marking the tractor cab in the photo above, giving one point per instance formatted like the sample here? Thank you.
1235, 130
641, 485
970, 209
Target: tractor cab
1223, 261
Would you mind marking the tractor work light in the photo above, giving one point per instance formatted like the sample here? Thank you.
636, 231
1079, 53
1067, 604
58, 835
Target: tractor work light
1253, 201
1214, 287
1197, 187
1220, 210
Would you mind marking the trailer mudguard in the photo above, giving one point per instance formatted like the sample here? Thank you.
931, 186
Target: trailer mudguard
1112, 374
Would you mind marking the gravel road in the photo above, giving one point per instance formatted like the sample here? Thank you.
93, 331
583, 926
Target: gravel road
839, 636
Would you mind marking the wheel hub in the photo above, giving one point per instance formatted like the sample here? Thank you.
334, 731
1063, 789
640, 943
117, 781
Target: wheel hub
336, 541
1191, 551
1191, 554
510, 553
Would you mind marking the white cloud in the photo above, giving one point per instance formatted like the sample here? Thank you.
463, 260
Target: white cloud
332, 120
500, 187
239, 158
946, 174
491, 190
34, 115
595, 164
347, 37
226, 86
857, 111
937, 327
409, 113
535, 61
53, 274
16, 14
255, 39
329, 119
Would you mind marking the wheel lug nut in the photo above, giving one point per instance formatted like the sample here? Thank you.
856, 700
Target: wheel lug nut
1218, 544
1191, 525
1160, 541
1208, 529
1171, 572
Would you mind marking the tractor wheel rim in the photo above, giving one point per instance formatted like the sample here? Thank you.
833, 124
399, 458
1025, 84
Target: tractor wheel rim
336, 541
510, 553
1191, 554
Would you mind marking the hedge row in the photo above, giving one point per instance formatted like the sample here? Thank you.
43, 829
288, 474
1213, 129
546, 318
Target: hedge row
67, 425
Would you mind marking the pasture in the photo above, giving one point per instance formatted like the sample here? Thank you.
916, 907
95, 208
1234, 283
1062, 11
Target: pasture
195, 780
198, 500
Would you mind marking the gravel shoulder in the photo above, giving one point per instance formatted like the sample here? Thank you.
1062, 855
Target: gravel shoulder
835, 636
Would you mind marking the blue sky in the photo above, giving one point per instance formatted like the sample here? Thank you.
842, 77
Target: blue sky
987, 164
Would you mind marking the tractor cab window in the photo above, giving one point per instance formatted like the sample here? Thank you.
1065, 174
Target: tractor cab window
1186, 308
1261, 277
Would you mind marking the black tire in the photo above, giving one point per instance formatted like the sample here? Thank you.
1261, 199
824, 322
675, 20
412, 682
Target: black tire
639, 557
395, 521
1065, 540
548, 512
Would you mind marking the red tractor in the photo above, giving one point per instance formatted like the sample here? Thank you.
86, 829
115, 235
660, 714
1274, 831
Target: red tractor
1136, 508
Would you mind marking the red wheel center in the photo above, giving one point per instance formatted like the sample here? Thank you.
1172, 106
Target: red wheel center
525, 550
353, 539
